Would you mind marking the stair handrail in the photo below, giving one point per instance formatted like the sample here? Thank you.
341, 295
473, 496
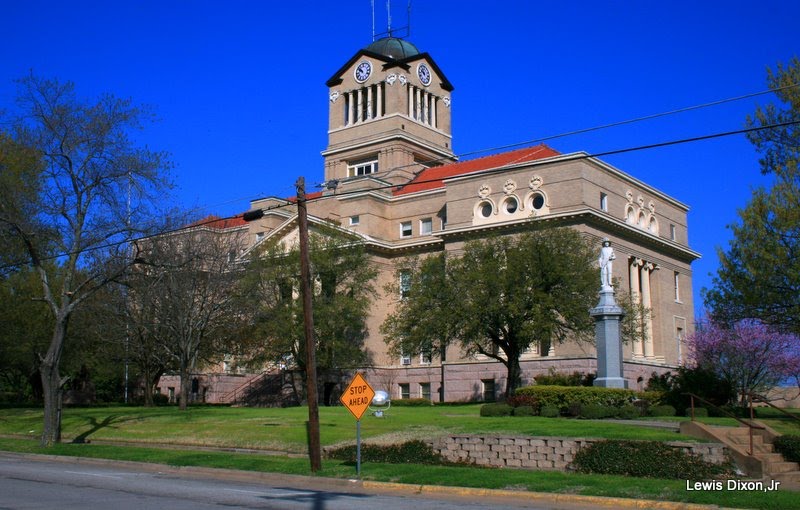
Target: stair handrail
763, 400
226, 398
749, 425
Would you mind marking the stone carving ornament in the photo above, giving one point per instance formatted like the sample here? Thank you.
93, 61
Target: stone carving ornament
536, 182
484, 191
509, 186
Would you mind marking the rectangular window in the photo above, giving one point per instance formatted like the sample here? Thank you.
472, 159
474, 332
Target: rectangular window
487, 386
677, 285
354, 220
425, 390
259, 236
425, 226
405, 283
405, 229
364, 167
405, 390
672, 232
603, 202
405, 359
425, 357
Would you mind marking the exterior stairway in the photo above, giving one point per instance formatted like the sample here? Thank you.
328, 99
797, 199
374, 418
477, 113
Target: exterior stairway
764, 462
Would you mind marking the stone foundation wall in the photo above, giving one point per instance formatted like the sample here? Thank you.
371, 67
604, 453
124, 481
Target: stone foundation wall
550, 453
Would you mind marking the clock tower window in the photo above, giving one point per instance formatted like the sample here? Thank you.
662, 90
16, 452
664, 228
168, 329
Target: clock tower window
422, 105
364, 103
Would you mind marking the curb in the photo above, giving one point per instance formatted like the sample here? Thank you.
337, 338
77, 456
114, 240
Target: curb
540, 497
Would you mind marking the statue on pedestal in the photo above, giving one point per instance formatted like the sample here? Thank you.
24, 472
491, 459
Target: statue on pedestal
605, 260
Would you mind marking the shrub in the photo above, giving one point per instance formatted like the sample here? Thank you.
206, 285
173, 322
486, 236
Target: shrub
649, 459
553, 378
642, 406
562, 396
662, 411
788, 446
160, 399
629, 412
524, 411
701, 381
411, 452
594, 411
496, 410
523, 400
550, 412
411, 402
699, 412
573, 409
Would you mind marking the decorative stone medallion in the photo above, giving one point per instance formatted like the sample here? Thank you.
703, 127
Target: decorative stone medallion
536, 182
484, 191
334, 96
509, 186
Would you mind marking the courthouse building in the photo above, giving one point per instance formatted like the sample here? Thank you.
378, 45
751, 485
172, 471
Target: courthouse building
394, 181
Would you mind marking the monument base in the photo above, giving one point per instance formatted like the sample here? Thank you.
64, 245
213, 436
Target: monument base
611, 382
608, 316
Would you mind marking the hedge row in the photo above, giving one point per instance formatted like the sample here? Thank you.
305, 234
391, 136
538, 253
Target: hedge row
410, 452
648, 459
563, 396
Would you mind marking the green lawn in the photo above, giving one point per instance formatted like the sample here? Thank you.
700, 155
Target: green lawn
283, 430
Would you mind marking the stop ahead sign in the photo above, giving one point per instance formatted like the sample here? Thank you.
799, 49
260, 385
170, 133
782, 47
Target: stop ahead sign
357, 396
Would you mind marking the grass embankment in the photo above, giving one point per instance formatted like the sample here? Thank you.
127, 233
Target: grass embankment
284, 430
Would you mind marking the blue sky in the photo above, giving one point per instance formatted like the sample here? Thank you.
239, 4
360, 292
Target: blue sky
240, 86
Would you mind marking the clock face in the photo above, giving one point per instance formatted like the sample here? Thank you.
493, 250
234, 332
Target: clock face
424, 74
363, 71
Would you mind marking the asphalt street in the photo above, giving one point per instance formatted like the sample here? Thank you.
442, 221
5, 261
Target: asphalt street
40, 483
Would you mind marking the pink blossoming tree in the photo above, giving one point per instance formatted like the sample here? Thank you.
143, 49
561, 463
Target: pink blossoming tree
752, 356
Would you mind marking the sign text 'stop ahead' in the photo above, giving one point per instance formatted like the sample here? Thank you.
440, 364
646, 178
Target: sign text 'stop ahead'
357, 396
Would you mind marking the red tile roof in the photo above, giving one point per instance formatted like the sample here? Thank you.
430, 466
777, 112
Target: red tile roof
214, 221
432, 178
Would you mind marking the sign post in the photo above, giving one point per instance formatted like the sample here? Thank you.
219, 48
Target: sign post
356, 398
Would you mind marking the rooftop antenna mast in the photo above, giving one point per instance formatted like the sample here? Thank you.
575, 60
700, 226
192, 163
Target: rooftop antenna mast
389, 30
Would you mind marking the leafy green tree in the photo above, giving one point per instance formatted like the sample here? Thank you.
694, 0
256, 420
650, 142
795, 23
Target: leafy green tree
502, 296
423, 285
93, 185
25, 327
759, 274
342, 275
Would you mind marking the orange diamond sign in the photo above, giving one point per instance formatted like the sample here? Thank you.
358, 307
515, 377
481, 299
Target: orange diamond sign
357, 396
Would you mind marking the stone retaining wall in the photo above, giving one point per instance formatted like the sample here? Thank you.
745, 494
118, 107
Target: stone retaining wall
552, 453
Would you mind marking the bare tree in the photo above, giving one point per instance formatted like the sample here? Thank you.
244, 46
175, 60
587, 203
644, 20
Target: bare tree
93, 184
183, 302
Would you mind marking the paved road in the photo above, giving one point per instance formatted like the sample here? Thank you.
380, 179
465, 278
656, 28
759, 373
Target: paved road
34, 483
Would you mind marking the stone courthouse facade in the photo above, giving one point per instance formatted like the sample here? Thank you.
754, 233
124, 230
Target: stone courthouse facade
394, 181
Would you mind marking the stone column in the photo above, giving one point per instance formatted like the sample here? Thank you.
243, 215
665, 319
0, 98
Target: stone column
370, 99
647, 269
379, 110
359, 106
638, 348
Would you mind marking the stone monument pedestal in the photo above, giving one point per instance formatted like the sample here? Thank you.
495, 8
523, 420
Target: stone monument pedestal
608, 336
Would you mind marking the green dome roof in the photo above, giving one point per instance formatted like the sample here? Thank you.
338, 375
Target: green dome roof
394, 48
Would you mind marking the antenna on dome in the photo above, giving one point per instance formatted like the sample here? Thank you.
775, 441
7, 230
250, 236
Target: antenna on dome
390, 32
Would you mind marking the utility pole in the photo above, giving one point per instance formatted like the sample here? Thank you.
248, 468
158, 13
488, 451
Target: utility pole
314, 450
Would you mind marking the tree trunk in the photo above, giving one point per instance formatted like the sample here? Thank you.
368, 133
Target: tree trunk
52, 384
514, 375
185, 386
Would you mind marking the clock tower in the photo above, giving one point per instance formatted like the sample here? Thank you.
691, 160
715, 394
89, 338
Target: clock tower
389, 114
